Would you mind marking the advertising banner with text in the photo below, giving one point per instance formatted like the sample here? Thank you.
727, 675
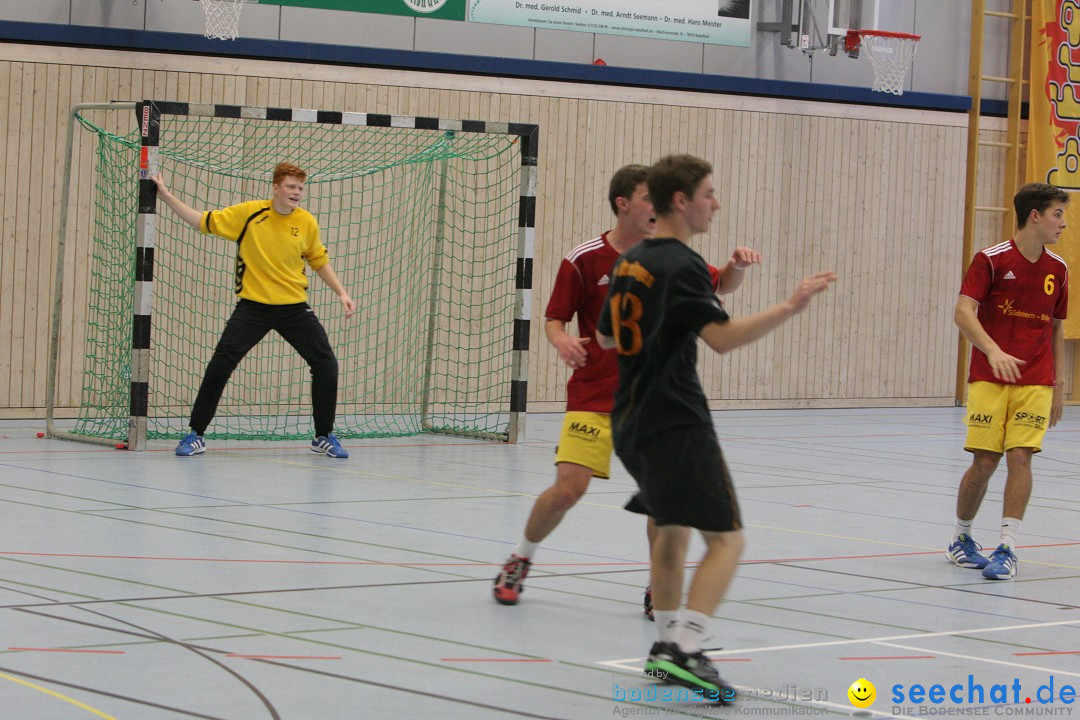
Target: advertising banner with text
442, 9
718, 22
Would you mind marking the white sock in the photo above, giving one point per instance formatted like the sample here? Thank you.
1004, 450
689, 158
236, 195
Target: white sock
526, 549
666, 623
1009, 527
962, 527
693, 628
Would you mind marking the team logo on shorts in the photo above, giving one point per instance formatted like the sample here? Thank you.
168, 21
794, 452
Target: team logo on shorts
980, 419
1031, 420
584, 430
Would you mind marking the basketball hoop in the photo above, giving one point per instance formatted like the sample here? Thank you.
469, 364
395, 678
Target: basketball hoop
222, 18
891, 54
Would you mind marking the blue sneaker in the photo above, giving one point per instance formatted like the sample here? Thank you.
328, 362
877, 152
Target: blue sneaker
1002, 565
964, 552
329, 445
192, 444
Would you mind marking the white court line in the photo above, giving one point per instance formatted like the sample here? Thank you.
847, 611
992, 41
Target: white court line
621, 664
1006, 663
888, 638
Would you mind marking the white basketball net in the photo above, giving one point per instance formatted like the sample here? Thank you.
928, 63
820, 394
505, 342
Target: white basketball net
222, 18
891, 55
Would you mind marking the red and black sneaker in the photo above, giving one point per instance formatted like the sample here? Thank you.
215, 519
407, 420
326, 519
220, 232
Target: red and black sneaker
509, 581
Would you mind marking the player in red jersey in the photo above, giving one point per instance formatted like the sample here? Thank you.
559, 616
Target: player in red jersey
1012, 301
585, 444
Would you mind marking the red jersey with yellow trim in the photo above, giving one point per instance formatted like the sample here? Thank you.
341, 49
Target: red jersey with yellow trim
1018, 302
581, 287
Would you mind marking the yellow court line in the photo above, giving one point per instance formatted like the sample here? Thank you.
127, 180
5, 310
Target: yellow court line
65, 698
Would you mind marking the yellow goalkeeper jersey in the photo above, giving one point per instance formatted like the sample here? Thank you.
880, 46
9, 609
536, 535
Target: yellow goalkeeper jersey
271, 249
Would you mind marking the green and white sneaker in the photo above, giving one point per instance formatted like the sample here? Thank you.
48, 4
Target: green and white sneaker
668, 663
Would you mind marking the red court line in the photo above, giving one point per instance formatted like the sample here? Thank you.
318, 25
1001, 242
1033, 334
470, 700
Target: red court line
892, 657
1059, 652
65, 650
527, 660
283, 657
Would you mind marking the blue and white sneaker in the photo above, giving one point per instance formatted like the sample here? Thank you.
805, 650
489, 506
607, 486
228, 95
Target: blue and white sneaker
191, 444
964, 552
329, 445
1002, 565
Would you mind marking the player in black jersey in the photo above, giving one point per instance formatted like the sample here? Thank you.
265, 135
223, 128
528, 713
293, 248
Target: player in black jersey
659, 303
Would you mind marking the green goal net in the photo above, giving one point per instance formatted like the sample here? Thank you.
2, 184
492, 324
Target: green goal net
422, 227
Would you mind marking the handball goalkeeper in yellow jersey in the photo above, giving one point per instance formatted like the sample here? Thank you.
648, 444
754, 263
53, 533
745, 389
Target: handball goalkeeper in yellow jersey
274, 239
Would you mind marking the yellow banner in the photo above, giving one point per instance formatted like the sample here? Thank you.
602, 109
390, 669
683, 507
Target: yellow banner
1053, 153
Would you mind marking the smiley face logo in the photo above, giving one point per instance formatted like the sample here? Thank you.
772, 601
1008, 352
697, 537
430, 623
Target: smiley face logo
862, 693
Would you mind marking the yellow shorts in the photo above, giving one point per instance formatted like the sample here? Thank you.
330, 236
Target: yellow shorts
1003, 417
586, 440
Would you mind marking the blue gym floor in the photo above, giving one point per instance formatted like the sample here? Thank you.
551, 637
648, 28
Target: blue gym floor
263, 581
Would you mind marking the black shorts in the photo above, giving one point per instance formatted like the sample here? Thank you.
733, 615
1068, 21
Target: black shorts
683, 480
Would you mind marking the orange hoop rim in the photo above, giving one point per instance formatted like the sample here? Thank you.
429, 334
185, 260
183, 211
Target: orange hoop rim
887, 34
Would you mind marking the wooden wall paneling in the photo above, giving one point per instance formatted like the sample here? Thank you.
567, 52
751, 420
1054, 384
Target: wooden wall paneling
69, 381
731, 156
945, 245
545, 373
834, 311
919, 257
845, 157
61, 88
591, 165
172, 82
881, 210
952, 240
894, 185
28, 230
936, 289
914, 260
562, 233
713, 366
849, 268
661, 130
42, 206
810, 235
20, 222
799, 356
8, 142
930, 373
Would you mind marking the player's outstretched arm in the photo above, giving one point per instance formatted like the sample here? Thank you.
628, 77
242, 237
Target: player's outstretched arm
571, 349
327, 275
1005, 367
726, 336
732, 274
183, 211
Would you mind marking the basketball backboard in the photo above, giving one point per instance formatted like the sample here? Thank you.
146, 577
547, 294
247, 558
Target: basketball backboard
813, 25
